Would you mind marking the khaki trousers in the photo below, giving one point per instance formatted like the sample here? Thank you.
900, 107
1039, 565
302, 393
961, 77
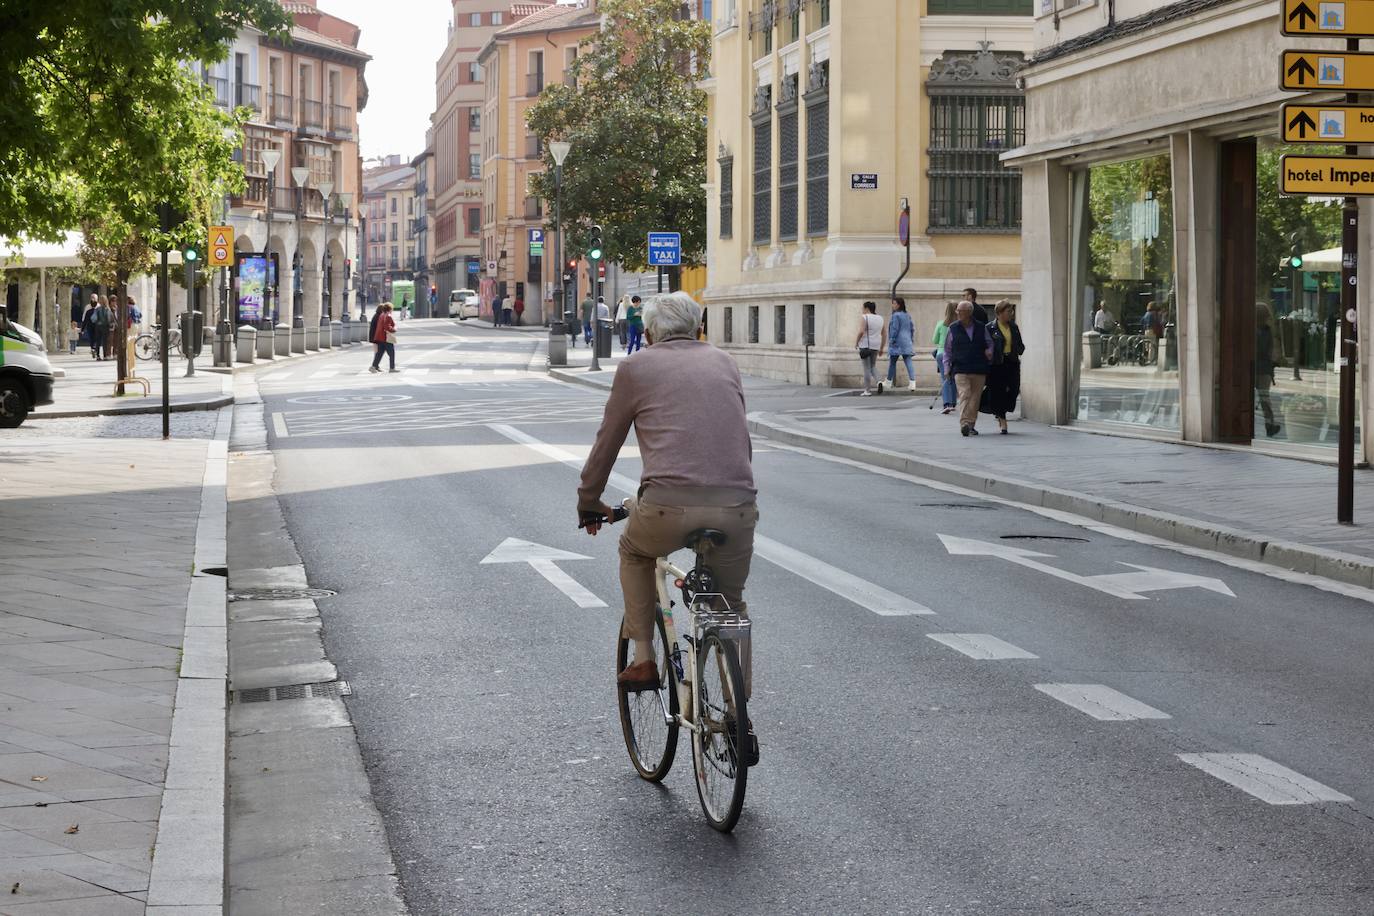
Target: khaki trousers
655, 530
970, 394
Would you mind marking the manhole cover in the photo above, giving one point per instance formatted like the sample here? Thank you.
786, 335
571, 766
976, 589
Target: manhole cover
279, 594
1042, 537
332, 689
331, 399
956, 506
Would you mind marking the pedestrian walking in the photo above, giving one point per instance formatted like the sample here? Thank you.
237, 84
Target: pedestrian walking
870, 344
99, 330
73, 335
899, 344
384, 338
1103, 321
634, 321
948, 396
621, 330
519, 310
572, 325
1152, 326
968, 351
588, 315
1264, 366
508, 311
980, 314
1004, 375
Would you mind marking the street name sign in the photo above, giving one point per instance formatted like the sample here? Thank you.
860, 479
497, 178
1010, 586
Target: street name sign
1341, 19
1328, 123
665, 249
868, 181
220, 246
1326, 176
1305, 71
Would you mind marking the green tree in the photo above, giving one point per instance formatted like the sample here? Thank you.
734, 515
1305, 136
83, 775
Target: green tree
103, 118
636, 120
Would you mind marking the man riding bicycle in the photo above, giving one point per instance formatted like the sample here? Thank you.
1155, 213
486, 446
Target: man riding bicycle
685, 400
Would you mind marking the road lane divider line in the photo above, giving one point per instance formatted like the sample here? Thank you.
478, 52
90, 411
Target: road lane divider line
846, 585
1266, 780
324, 373
981, 646
1101, 702
279, 426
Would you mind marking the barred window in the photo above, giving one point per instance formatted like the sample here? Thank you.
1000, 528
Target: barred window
818, 152
787, 160
780, 324
727, 196
763, 168
976, 114
753, 324
727, 325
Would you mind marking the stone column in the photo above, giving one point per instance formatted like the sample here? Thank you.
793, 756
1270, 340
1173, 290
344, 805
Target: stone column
1194, 169
1045, 292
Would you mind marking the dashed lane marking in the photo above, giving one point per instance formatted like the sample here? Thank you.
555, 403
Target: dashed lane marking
1101, 702
981, 646
1264, 779
279, 426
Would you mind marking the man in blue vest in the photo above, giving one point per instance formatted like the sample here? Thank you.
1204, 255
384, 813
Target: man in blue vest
968, 353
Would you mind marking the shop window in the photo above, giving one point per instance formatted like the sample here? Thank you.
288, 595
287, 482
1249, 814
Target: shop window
727, 195
818, 149
727, 326
976, 115
753, 324
1125, 310
763, 165
788, 166
779, 324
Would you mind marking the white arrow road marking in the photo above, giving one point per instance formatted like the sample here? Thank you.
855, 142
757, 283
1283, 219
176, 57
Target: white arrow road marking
981, 646
543, 560
1101, 702
848, 586
1263, 778
1120, 585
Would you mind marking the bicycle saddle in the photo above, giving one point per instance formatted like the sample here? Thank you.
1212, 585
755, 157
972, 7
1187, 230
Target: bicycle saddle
700, 538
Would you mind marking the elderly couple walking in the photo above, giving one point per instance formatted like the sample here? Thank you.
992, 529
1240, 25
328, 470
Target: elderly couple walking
984, 355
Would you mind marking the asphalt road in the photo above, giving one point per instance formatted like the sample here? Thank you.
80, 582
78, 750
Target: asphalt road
1161, 744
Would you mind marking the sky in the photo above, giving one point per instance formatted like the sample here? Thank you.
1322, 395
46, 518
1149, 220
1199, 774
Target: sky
405, 39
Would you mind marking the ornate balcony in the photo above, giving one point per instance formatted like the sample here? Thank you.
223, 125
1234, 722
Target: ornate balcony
341, 122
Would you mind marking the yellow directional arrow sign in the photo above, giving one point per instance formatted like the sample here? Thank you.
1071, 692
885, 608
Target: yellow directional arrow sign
1328, 123
1348, 18
1327, 176
221, 246
1305, 71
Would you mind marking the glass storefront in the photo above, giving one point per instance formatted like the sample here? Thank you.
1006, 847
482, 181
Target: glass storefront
1297, 310
1124, 308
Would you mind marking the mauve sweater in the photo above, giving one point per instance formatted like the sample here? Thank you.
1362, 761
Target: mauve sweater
686, 402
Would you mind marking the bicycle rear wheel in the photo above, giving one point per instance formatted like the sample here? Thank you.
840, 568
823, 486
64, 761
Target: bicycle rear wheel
717, 745
145, 347
650, 734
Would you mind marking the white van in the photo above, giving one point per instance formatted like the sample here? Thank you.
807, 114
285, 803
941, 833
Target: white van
463, 304
26, 376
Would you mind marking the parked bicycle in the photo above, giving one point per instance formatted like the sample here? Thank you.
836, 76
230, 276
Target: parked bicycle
700, 687
148, 345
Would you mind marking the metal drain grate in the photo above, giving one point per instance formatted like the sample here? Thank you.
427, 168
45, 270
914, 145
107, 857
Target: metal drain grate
279, 594
330, 689
1043, 537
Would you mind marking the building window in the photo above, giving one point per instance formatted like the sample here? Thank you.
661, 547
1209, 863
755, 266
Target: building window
763, 165
474, 119
727, 325
474, 165
793, 20
818, 149
727, 196
976, 114
809, 325
761, 27
475, 20
474, 220
394, 229
779, 324
980, 7
393, 205
474, 72
788, 166
497, 18
753, 324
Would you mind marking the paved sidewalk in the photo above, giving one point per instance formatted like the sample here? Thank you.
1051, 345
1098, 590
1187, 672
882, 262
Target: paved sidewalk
100, 535
88, 388
1259, 507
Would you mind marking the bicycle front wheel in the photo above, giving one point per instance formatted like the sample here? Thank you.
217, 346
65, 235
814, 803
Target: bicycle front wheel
145, 347
719, 742
648, 718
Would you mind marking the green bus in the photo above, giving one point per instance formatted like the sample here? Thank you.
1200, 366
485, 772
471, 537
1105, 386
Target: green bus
403, 291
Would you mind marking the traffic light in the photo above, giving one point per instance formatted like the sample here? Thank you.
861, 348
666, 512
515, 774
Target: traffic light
594, 245
189, 254
600, 271
1295, 261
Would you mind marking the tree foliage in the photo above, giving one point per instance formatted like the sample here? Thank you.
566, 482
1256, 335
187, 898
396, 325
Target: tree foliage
636, 122
103, 118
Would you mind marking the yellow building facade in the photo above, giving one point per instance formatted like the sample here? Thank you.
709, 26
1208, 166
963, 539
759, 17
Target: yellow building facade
825, 116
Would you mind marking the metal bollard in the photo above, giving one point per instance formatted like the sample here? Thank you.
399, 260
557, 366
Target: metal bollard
247, 342
558, 344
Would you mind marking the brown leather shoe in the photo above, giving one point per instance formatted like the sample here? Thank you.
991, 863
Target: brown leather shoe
639, 676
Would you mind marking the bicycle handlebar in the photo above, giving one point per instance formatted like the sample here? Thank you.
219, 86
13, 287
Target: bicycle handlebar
618, 514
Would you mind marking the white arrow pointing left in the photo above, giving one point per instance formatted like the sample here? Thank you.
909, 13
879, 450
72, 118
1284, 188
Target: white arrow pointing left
543, 559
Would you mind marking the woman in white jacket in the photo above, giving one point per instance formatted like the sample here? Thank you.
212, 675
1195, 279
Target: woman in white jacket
620, 308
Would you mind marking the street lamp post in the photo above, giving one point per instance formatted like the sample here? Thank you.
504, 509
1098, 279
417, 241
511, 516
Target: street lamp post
346, 200
559, 150
270, 159
301, 176
327, 262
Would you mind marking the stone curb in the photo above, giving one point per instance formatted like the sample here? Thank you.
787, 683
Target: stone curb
189, 853
579, 378
1354, 570
212, 403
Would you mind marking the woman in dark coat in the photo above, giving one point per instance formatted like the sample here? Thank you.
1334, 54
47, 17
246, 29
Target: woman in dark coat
1004, 378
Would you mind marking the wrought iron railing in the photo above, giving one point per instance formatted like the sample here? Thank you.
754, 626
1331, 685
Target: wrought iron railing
340, 121
248, 95
282, 110
220, 87
311, 113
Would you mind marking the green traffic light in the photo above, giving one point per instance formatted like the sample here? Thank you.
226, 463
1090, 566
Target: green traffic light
1295, 261
594, 254
190, 254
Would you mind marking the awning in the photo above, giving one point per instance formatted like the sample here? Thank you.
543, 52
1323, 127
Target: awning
1328, 259
16, 254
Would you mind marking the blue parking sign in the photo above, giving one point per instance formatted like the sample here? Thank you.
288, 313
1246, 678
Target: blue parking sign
665, 249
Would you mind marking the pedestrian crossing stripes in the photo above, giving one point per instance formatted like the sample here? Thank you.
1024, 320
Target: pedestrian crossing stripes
1264, 779
1101, 702
980, 646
